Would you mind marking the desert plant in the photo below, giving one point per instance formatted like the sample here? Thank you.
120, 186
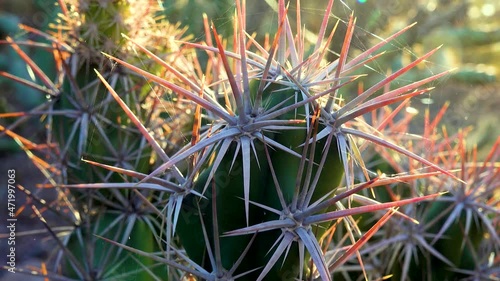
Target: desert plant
272, 181
273, 106
83, 124
455, 230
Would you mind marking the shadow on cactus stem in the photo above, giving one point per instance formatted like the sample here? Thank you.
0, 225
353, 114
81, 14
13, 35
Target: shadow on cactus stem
278, 180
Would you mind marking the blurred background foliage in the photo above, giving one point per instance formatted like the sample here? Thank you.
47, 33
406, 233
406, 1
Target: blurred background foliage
469, 31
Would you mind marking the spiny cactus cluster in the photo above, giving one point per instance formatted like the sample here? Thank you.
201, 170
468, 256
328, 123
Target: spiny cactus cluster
82, 122
457, 237
233, 159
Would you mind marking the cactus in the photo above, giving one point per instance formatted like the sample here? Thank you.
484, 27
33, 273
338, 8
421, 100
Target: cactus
272, 185
250, 122
454, 230
85, 125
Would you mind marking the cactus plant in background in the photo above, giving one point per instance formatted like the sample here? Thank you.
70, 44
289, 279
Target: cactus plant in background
457, 237
273, 183
83, 123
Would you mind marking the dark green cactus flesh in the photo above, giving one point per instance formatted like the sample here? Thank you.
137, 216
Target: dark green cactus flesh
286, 167
228, 185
